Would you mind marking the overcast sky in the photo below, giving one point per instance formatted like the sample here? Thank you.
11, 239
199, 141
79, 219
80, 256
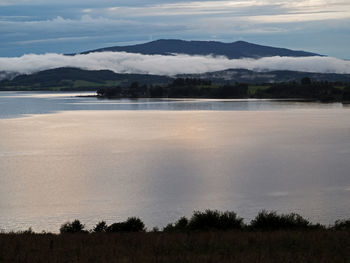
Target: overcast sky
67, 26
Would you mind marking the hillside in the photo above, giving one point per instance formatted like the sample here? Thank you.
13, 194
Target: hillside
65, 79
235, 50
68, 79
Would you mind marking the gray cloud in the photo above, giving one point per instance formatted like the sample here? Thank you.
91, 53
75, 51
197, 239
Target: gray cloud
86, 26
121, 62
261, 11
33, 25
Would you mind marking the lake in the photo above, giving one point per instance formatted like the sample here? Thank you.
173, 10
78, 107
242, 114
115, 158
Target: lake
64, 157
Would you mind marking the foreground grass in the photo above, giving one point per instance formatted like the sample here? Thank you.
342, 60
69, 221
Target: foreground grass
233, 246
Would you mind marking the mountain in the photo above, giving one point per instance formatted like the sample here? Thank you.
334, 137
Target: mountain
235, 50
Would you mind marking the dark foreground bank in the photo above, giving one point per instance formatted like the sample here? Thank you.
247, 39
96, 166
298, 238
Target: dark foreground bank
209, 236
212, 246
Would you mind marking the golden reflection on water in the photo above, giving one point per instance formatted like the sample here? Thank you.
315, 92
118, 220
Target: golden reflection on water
160, 165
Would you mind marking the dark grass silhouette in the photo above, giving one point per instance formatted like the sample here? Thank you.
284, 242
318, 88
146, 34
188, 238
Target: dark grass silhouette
209, 236
209, 246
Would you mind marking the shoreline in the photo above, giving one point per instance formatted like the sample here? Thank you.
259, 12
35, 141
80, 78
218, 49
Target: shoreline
212, 98
208, 220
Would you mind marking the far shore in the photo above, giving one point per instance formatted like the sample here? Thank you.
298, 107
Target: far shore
210, 98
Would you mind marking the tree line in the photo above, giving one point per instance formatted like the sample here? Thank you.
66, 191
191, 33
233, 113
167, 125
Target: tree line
179, 88
209, 236
200, 88
209, 220
307, 89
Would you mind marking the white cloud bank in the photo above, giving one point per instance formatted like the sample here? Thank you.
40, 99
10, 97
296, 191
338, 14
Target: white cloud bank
121, 62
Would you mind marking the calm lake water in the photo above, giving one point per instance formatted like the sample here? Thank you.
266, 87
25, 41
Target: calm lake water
64, 157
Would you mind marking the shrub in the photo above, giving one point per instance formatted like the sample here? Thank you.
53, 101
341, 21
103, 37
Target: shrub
115, 227
100, 227
72, 227
169, 228
272, 221
132, 224
213, 219
29, 231
342, 225
181, 226
229, 220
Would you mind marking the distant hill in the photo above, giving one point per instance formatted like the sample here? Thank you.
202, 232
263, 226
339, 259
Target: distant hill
235, 50
68, 79
7, 75
77, 79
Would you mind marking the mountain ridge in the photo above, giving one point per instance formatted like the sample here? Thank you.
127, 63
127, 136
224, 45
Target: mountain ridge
233, 50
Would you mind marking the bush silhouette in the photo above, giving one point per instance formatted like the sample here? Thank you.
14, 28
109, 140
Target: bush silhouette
132, 224
115, 227
169, 228
213, 219
100, 227
181, 226
29, 231
342, 225
72, 227
205, 221
272, 221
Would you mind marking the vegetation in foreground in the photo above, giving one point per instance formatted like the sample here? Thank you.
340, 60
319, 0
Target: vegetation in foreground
210, 246
209, 236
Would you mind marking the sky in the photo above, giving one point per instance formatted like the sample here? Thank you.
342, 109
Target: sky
69, 26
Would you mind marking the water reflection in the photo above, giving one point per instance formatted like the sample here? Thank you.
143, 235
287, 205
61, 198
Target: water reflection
17, 104
161, 165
